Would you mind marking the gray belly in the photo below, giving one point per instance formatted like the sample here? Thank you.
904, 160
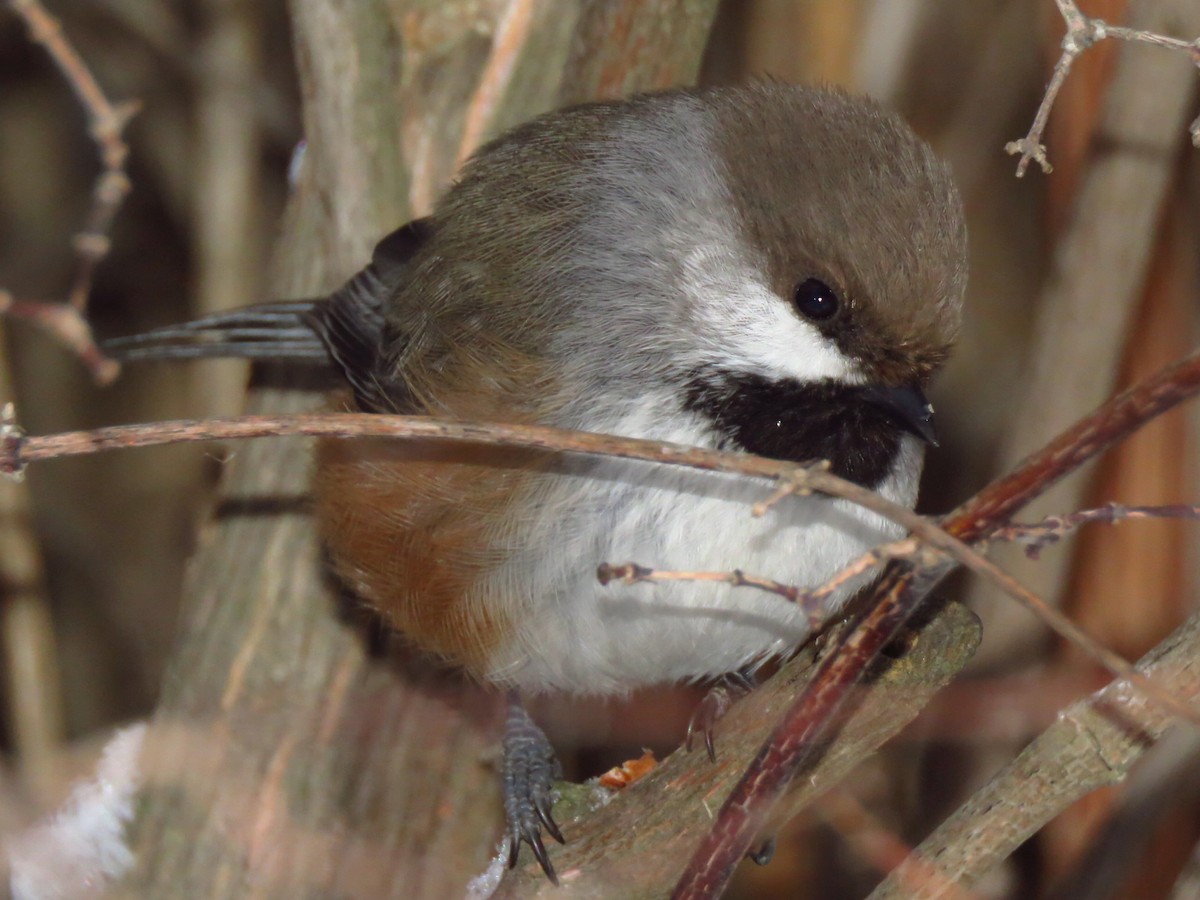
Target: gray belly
584, 637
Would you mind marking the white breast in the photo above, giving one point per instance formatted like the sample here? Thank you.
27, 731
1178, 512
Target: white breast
584, 637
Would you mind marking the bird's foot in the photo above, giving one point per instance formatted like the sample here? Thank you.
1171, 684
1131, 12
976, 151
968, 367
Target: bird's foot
763, 853
726, 691
530, 768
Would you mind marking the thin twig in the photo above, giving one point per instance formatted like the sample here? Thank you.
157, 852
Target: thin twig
1082, 32
633, 573
1037, 536
24, 449
810, 600
68, 326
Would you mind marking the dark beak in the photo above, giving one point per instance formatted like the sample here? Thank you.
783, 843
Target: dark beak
908, 406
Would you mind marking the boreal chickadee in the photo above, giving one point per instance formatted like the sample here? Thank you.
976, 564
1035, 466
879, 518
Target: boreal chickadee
771, 268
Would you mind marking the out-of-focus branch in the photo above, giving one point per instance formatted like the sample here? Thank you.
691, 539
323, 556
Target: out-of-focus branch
33, 687
882, 847
106, 123
67, 326
1166, 779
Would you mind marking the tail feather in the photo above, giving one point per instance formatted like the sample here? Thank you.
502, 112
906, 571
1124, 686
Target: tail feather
255, 351
269, 332
346, 330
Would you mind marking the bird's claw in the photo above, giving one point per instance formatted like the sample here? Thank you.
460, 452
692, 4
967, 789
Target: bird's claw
530, 768
726, 691
763, 853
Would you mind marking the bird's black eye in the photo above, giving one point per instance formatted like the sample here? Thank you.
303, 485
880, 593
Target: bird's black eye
815, 300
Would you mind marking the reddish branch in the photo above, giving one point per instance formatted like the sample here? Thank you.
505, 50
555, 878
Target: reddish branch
106, 122
811, 721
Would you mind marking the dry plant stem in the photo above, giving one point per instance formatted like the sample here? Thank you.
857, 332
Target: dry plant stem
812, 718
633, 573
66, 325
106, 122
811, 600
1077, 39
1082, 32
1092, 744
34, 448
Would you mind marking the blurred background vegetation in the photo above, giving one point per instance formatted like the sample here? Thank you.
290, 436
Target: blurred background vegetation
209, 160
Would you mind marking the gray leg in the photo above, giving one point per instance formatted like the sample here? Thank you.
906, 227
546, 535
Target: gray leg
530, 768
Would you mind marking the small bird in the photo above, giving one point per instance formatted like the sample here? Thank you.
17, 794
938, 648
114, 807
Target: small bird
770, 268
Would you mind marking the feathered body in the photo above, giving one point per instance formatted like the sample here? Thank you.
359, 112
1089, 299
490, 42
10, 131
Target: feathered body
773, 269
629, 268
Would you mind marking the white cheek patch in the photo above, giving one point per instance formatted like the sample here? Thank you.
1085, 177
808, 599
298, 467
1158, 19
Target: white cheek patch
742, 324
